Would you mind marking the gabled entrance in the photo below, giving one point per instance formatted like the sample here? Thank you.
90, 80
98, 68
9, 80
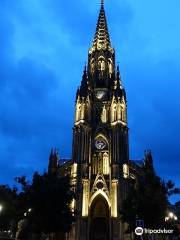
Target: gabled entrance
99, 219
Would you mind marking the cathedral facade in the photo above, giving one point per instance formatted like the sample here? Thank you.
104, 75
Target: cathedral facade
99, 167
100, 143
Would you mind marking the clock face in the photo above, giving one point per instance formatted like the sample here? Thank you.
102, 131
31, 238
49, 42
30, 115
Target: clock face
100, 144
100, 94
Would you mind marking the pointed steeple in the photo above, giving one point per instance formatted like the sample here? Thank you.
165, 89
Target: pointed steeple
101, 38
77, 93
148, 158
102, 3
148, 161
84, 83
119, 90
118, 77
53, 160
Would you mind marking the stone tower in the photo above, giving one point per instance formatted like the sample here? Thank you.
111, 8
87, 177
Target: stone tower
100, 144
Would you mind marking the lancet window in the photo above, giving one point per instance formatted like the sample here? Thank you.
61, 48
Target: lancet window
100, 161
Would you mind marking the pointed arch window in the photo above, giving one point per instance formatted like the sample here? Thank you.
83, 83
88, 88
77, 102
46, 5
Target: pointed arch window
100, 161
110, 65
78, 112
118, 112
105, 163
104, 115
115, 113
82, 112
101, 63
122, 114
92, 66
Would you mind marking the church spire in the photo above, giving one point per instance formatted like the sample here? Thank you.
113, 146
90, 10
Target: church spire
102, 3
84, 83
101, 38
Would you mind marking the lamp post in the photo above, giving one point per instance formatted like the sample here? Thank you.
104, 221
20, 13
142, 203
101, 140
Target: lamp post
1, 208
171, 217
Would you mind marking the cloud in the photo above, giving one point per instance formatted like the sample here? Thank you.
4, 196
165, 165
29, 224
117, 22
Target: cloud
154, 113
30, 113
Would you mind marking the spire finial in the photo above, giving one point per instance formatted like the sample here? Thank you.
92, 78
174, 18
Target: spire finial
101, 37
102, 3
85, 66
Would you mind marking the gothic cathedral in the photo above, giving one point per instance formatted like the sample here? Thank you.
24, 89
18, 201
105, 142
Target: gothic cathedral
100, 157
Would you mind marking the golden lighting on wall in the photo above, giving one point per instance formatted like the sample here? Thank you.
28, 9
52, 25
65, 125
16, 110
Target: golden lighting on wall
114, 211
74, 170
125, 171
85, 202
73, 205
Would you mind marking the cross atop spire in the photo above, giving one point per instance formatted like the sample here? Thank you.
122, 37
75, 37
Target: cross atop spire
101, 38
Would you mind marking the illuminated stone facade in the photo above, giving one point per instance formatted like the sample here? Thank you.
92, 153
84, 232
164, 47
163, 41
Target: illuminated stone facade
100, 159
100, 166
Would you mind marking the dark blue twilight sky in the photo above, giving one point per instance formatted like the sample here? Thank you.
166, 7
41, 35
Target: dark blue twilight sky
43, 47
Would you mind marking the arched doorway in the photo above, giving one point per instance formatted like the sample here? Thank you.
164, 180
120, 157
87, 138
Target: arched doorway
99, 219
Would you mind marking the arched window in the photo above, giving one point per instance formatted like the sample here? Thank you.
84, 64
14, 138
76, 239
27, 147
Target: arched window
122, 116
105, 163
100, 143
78, 112
100, 161
101, 63
93, 164
118, 112
82, 112
104, 115
92, 66
115, 113
110, 65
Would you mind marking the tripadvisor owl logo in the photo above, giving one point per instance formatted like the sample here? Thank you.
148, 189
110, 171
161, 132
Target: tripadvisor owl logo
139, 231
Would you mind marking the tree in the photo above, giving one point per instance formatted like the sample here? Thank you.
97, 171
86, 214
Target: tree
147, 198
47, 201
8, 202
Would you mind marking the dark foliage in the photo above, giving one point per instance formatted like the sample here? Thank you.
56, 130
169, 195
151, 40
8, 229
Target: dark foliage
147, 199
47, 203
8, 201
42, 206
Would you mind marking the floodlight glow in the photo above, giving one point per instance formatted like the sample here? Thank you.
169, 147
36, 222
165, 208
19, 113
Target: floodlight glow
171, 214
